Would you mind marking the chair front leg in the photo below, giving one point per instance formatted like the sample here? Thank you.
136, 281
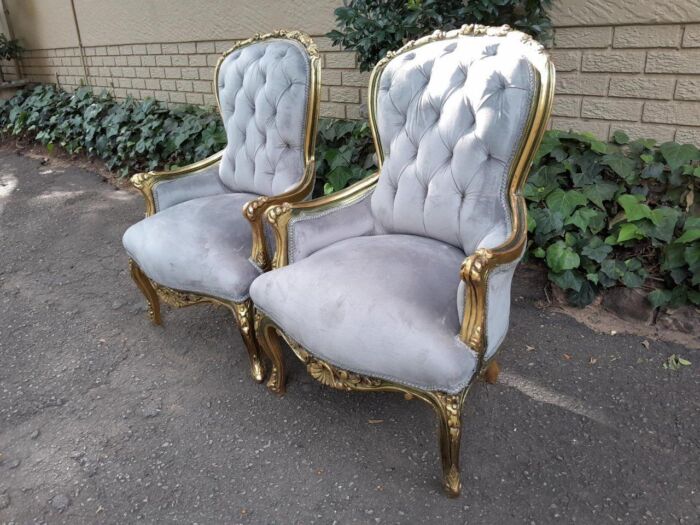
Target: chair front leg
148, 291
243, 312
449, 412
269, 341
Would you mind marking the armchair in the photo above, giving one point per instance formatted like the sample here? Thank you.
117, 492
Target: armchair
195, 246
401, 283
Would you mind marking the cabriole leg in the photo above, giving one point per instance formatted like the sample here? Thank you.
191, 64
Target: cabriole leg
449, 410
244, 317
270, 342
491, 372
148, 291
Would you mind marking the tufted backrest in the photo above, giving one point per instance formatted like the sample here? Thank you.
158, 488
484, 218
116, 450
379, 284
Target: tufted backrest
451, 115
264, 95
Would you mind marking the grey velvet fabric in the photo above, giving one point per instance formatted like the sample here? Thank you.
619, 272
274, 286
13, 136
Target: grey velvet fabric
450, 116
381, 305
263, 91
202, 183
311, 231
202, 245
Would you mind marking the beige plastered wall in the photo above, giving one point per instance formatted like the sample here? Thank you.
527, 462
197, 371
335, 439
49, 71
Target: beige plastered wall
627, 65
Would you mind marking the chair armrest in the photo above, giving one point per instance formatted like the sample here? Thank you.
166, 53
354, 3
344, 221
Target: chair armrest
255, 209
477, 287
303, 228
152, 184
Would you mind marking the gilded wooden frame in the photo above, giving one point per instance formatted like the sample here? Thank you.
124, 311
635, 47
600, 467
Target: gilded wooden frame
253, 210
475, 269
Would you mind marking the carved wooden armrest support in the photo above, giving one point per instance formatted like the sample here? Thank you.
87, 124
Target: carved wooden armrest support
145, 182
475, 273
255, 209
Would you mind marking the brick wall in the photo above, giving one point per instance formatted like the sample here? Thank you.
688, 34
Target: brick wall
642, 79
181, 72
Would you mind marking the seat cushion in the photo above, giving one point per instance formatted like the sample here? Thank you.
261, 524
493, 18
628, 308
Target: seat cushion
202, 245
382, 306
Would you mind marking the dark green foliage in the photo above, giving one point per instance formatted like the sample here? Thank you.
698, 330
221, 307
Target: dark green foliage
344, 154
600, 215
374, 27
9, 49
603, 215
127, 135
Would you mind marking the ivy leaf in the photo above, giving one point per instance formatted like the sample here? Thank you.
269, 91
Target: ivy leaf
634, 208
628, 232
621, 165
613, 268
583, 296
561, 257
689, 236
539, 252
600, 192
664, 220
632, 280
565, 202
692, 254
587, 218
620, 137
677, 155
566, 280
596, 249
659, 298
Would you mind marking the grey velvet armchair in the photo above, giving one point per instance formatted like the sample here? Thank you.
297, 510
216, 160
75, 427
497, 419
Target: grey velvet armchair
401, 283
203, 239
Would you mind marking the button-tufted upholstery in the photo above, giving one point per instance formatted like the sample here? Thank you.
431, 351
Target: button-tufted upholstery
198, 240
263, 93
450, 116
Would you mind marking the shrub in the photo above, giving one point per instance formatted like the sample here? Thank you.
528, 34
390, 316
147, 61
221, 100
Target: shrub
344, 154
9, 49
603, 215
374, 27
127, 135
600, 215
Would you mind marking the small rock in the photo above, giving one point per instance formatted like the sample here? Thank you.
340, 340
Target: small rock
150, 411
4, 501
77, 454
14, 464
116, 305
60, 502
34, 434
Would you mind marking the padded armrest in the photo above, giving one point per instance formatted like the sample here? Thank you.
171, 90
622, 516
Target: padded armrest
203, 183
483, 297
189, 189
497, 305
310, 231
304, 227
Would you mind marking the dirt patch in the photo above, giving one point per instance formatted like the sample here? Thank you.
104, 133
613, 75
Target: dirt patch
62, 159
678, 326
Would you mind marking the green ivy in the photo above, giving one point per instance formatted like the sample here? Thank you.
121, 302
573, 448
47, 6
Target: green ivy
128, 135
344, 154
375, 27
600, 214
621, 214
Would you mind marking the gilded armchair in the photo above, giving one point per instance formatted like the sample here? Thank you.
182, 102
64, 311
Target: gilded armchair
401, 283
195, 246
